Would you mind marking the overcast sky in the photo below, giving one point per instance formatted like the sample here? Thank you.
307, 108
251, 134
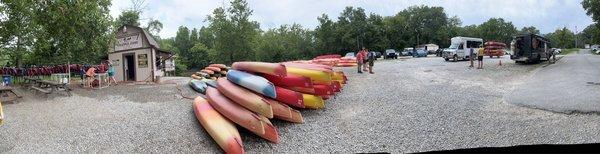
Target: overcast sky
546, 15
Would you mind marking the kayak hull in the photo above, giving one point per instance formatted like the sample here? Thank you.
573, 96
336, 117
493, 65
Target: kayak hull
284, 112
218, 127
198, 85
245, 98
313, 102
252, 82
261, 67
255, 123
289, 97
290, 80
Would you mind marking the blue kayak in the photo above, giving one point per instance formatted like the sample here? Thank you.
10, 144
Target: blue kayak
252, 82
198, 85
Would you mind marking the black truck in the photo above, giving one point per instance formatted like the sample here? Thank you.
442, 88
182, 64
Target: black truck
531, 48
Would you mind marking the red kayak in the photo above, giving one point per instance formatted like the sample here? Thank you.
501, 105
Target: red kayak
214, 69
310, 90
289, 97
290, 80
245, 98
261, 67
257, 124
323, 90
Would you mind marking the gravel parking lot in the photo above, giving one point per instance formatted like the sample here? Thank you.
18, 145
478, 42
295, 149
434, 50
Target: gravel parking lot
409, 105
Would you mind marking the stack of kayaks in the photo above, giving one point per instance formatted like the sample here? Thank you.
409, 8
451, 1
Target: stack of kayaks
250, 94
493, 48
212, 71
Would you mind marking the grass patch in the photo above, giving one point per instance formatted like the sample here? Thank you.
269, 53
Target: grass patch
569, 51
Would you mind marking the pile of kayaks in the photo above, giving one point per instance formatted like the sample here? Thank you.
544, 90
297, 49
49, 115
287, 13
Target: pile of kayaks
332, 60
213, 71
253, 93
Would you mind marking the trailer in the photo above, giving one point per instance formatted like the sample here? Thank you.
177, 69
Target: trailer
531, 48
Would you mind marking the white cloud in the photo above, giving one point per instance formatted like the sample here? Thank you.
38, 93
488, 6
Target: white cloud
547, 15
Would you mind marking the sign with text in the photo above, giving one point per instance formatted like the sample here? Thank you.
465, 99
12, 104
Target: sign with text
129, 42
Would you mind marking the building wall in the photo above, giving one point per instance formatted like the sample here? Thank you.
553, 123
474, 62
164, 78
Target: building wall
141, 74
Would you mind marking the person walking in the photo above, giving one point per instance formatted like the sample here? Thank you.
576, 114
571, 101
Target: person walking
111, 73
371, 60
480, 54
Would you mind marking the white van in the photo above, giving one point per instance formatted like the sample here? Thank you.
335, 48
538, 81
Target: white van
460, 47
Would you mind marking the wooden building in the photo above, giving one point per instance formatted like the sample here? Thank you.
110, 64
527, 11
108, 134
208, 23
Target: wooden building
136, 56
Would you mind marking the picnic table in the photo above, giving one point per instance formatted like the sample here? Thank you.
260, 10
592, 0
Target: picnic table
47, 87
7, 94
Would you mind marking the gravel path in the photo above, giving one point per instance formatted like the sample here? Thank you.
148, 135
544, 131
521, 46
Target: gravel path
409, 105
571, 85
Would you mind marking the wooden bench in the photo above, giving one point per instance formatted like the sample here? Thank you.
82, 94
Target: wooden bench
7, 94
48, 87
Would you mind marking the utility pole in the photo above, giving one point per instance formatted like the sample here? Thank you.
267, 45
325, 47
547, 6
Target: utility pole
576, 37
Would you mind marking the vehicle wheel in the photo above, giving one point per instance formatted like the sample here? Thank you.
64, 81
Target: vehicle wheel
455, 59
446, 59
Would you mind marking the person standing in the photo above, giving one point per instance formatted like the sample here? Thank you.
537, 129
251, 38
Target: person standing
471, 54
371, 60
89, 76
111, 73
360, 59
480, 54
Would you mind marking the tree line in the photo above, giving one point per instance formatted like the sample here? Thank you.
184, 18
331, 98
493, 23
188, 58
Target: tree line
56, 32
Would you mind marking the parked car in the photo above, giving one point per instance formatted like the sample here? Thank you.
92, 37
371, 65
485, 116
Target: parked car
350, 54
421, 52
377, 54
407, 52
390, 53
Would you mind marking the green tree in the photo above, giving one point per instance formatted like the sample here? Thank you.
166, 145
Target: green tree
198, 56
529, 30
562, 38
590, 35
592, 8
234, 34
496, 29
18, 30
129, 17
326, 39
206, 37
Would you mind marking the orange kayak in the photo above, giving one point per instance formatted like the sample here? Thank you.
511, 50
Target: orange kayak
214, 69
284, 112
220, 129
261, 67
245, 98
255, 123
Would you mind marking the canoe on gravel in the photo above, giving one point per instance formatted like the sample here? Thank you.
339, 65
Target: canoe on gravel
284, 112
254, 83
210, 82
209, 72
220, 129
313, 102
198, 85
245, 98
290, 80
314, 75
255, 123
289, 97
261, 67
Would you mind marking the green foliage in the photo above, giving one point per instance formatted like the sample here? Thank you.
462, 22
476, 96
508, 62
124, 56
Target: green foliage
590, 35
198, 56
562, 38
285, 43
129, 17
529, 30
496, 29
593, 8
234, 33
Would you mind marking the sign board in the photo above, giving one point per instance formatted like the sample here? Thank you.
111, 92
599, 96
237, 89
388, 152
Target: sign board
143, 60
131, 41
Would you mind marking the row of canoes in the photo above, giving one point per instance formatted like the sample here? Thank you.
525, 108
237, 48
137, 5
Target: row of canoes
252, 93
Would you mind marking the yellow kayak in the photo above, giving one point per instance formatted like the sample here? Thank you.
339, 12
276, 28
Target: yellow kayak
218, 127
313, 102
316, 76
1, 115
